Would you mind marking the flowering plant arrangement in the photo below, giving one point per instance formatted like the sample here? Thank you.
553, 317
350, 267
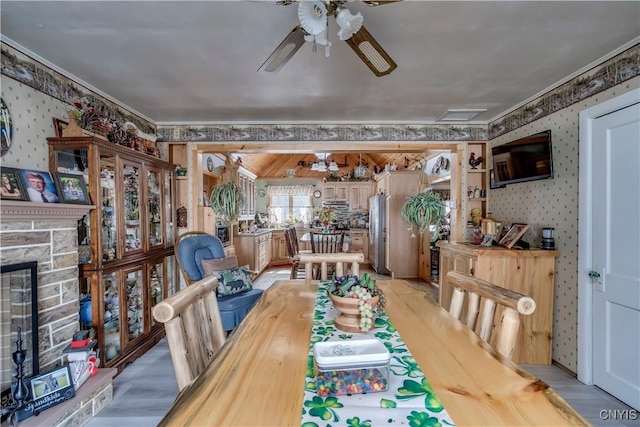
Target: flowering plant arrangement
365, 290
326, 214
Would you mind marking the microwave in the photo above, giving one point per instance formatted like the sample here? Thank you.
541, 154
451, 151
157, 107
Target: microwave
223, 231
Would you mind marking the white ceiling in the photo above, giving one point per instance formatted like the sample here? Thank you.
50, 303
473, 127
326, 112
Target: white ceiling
180, 61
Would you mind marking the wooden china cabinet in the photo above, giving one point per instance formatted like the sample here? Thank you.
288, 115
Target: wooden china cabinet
126, 256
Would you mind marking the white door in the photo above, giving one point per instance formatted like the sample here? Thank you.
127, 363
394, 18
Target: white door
615, 249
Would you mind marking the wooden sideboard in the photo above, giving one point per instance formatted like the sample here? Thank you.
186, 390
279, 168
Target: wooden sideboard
530, 272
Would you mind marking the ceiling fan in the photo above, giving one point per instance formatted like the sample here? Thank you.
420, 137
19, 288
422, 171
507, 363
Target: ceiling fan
313, 15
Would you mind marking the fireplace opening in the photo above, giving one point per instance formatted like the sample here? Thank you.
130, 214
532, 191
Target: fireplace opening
19, 303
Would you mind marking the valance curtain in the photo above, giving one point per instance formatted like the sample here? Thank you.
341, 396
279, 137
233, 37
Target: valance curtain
290, 190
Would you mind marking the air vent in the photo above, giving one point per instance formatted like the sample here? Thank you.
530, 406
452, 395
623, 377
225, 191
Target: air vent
460, 114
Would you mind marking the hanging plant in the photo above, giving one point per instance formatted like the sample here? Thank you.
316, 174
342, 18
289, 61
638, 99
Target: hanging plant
226, 201
422, 210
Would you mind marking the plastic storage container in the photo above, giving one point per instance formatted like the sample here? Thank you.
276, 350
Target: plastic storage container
351, 367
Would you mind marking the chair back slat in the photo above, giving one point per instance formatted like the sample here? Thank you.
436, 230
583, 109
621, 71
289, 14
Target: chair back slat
339, 259
482, 301
193, 327
327, 243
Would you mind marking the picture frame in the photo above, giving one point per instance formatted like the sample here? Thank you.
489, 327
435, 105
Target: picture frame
499, 230
492, 185
58, 126
72, 188
51, 388
515, 232
11, 186
35, 191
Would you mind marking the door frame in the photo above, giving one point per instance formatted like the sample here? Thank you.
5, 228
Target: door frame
585, 237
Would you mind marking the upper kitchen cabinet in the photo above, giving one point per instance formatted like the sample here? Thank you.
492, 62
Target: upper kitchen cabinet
356, 193
133, 195
247, 181
334, 191
359, 194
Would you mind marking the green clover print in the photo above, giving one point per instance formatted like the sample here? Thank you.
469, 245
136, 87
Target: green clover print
422, 419
355, 422
411, 389
408, 366
392, 349
383, 322
324, 409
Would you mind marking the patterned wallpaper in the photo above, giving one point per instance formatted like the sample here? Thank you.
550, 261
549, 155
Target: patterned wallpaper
32, 114
554, 203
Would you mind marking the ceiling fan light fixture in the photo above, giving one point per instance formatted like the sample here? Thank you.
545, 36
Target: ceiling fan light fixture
349, 24
313, 16
333, 166
322, 166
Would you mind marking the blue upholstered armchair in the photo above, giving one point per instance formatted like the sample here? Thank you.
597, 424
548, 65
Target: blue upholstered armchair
191, 248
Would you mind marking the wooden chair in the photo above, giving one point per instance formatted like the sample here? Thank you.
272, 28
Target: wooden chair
327, 243
481, 315
297, 268
193, 326
340, 260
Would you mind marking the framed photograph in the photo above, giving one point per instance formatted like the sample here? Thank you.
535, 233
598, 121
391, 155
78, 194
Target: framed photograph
51, 388
58, 127
39, 185
499, 230
515, 232
12, 187
72, 188
492, 180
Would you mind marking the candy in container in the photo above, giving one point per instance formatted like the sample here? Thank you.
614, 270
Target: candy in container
351, 367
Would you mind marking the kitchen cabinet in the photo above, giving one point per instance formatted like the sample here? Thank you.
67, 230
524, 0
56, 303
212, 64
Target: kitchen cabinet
279, 252
247, 182
530, 272
359, 242
251, 249
126, 258
335, 191
359, 194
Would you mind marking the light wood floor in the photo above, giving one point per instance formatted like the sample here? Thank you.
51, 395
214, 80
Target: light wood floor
146, 389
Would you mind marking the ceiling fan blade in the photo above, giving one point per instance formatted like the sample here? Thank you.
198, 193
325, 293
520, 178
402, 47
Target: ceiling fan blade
284, 51
371, 53
378, 2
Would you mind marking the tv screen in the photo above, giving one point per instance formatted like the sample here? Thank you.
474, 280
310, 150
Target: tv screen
525, 159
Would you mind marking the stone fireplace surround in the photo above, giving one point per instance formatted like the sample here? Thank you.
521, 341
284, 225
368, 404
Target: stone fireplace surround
47, 233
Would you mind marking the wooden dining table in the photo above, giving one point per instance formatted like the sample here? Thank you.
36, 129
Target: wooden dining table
257, 379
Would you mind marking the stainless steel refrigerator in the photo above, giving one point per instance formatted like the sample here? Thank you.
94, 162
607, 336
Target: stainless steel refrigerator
377, 233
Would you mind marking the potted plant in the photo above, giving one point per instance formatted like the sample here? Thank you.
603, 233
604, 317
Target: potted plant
226, 201
423, 210
356, 299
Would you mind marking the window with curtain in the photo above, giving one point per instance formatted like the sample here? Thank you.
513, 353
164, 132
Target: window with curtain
290, 203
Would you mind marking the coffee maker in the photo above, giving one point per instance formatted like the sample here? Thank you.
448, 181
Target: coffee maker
547, 239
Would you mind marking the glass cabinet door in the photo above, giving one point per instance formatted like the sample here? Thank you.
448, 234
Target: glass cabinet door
156, 284
108, 207
131, 207
154, 203
169, 215
135, 304
111, 316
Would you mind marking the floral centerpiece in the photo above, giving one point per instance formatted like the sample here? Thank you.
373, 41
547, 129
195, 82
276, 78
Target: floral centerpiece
326, 214
357, 299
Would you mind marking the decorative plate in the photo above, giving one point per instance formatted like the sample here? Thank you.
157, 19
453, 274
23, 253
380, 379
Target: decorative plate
6, 128
210, 163
317, 194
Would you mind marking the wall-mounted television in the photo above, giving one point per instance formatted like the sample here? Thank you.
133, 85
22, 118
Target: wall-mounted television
525, 159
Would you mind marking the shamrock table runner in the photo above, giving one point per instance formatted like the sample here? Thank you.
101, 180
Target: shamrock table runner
409, 400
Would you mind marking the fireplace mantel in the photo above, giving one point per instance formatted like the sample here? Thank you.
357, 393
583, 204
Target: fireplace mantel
20, 211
